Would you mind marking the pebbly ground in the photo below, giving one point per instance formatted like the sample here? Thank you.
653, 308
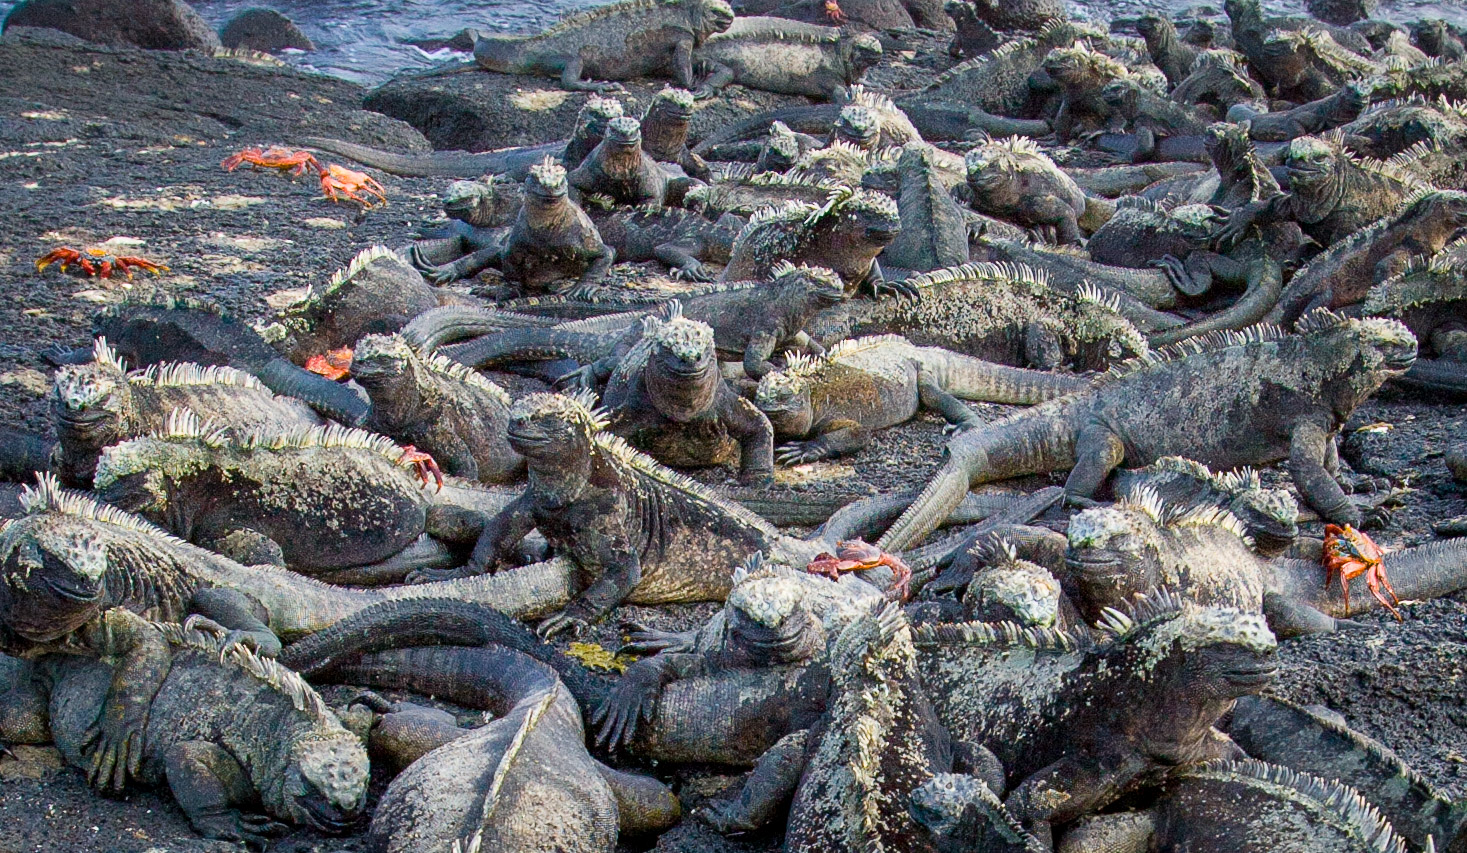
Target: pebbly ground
98, 144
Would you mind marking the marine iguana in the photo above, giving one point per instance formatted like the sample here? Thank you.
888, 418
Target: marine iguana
227, 731
1314, 117
833, 403
1308, 64
1135, 293
665, 132
973, 37
845, 234
1428, 297
101, 403
934, 231
480, 212
1425, 138
1431, 80
743, 191
1082, 73
1147, 116
668, 399
1168, 52
552, 238
1143, 231
680, 238
166, 330
252, 495
1436, 38
1344, 273
1077, 722
619, 169
1218, 79
1014, 180
439, 407
1269, 516
621, 41
1002, 313
998, 82
1305, 385
783, 56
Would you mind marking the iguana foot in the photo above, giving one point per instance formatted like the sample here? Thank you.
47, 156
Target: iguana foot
633, 700
262, 643
115, 743
441, 275
561, 623
1175, 272
692, 272
97, 263
1348, 553
895, 288
800, 452
644, 641
580, 379
253, 831
339, 182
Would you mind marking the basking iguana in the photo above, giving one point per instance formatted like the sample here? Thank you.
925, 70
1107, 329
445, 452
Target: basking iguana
830, 405
621, 41
743, 191
1082, 74
437, 406
1143, 232
1428, 297
1003, 313
675, 236
1014, 180
784, 56
1218, 79
665, 127
552, 238
480, 212
1078, 721
619, 169
934, 229
227, 731
1262, 395
1147, 116
1312, 118
845, 235
102, 403
1168, 52
1269, 516
253, 495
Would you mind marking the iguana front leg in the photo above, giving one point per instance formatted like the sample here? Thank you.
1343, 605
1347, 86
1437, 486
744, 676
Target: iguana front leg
769, 788
467, 266
1070, 789
589, 284
839, 438
755, 436
682, 64
933, 397
142, 661
570, 78
613, 557
1097, 453
209, 785
501, 534
684, 265
719, 76
1309, 446
239, 615
634, 699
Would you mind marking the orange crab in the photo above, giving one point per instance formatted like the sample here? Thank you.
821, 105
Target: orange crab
339, 182
334, 365
1348, 553
854, 555
833, 10
424, 464
98, 263
281, 159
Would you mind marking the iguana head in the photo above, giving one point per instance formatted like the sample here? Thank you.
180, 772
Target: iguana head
784, 397
382, 361
1359, 354
551, 427
55, 577
1115, 550
682, 370
1270, 516
482, 203
624, 132
546, 183
139, 475
325, 783
996, 168
709, 17
1311, 163
1012, 590
671, 104
820, 285
1151, 25
862, 215
861, 51
591, 123
858, 125
1199, 655
782, 148
1081, 64
1123, 96
770, 622
91, 402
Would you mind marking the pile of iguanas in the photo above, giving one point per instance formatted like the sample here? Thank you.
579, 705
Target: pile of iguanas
536, 412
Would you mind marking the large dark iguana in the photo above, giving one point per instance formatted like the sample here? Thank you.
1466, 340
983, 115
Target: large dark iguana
1428, 296
619, 169
552, 238
620, 41
675, 236
784, 56
830, 405
1014, 180
439, 407
934, 228
1076, 722
1225, 400
101, 403
228, 732
1168, 52
479, 213
1003, 313
253, 495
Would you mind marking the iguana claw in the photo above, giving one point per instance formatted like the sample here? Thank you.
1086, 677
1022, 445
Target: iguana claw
116, 745
253, 831
561, 623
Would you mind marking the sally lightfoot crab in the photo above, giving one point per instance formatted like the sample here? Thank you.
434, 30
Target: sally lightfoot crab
1348, 553
854, 555
98, 263
281, 159
334, 365
423, 463
339, 182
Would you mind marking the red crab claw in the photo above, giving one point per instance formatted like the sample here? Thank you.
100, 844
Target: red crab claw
125, 263
65, 256
827, 564
334, 365
424, 464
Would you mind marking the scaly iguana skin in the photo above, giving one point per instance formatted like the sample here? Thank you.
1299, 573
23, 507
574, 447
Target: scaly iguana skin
480, 212
1244, 806
637, 530
228, 732
668, 399
1149, 117
253, 495
845, 235
679, 238
751, 321
779, 55
439, 407
1345, 272
1426, 140
1264, 395
973, 37
1082, 73
163, 331
1077, 723
1436, 38
1270, 516
832, 404
1014, 180
934, 230
552, 238
998, 82
743, 191
1314, 117
1308, 64
98, 404
1002, 313
621, 41
1168, 52
1143, 231
1218, 79
619, 169
1428, 297
665, 132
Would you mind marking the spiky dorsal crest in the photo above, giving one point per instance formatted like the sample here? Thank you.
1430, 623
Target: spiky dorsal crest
1003, 634
617, 448
1210, 342
1121, 623
790, 211
267, 671
1355, 815
997, 54
354, 267
1439, 278
160, 301
533, 714
105, 356
789, 179
765, 28
1107, 299
184, 374
980, 271
48, 496
1010, 154
823, 275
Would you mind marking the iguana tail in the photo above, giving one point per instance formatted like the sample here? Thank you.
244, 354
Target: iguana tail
1437, 374
969, 378
1265, 281
1426, 571
438, 326
1034, 442
335, 401
514, 162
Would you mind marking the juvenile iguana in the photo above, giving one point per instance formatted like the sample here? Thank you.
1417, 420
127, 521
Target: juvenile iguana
780, 55
621, 41
833, 403
1265, 396
439, 407
98, 404
228, 732
480, 212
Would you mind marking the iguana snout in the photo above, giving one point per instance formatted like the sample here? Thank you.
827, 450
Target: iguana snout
326, 784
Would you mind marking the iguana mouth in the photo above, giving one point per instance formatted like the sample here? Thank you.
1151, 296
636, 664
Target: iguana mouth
527, 439
83, 419
1255, 676
325, 817
1094, 564
880, 235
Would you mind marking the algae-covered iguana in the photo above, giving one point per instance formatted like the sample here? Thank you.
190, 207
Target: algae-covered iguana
1014, 180
784, 56
439, 407
1168, 52
228, 732
620, 41
1269, 515
677, 237
102, 403
832, 404
1224, 400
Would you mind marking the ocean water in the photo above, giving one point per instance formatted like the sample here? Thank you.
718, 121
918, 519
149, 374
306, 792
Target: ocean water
367, 40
